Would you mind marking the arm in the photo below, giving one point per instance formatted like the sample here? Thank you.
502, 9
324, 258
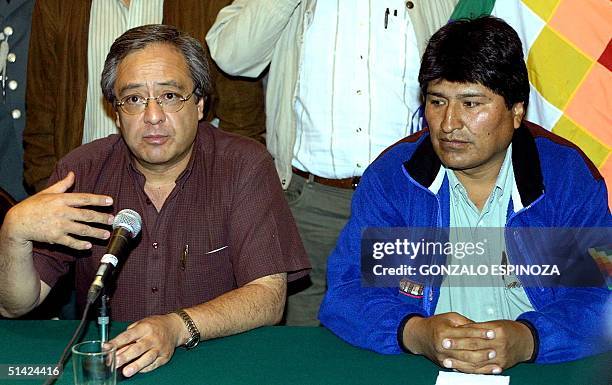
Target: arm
369, 317
50, 216
556, 322
559, 337
38, 136
258, 303
21, 290
260, 236
150, 343
245, 34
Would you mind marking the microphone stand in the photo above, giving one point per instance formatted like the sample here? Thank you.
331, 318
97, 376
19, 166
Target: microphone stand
104, 318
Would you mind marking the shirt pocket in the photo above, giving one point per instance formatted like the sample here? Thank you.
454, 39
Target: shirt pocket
204, 272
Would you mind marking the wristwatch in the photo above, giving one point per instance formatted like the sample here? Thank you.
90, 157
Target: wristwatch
194, 338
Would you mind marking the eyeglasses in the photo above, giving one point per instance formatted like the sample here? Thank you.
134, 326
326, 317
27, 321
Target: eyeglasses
168, 101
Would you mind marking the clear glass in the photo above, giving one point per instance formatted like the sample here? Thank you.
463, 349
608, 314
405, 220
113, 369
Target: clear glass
93, 365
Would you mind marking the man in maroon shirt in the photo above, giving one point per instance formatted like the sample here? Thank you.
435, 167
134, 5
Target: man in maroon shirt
218, 242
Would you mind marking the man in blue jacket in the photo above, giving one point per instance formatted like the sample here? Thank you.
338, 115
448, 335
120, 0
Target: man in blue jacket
478, 165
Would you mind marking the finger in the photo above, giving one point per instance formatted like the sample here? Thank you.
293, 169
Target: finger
60, 186
129, 336
145, 360
90, 216
490, 327
453, 363
468, 331
489, 369
456, 319
73, 243
467, 343
475, 357
467, 367
86, 199
159, 361
84, 230
132, 352
123, 349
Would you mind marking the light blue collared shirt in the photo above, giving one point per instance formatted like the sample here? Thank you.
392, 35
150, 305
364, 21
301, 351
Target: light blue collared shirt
487, 297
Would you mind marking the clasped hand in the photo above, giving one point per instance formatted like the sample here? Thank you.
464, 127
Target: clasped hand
454, 341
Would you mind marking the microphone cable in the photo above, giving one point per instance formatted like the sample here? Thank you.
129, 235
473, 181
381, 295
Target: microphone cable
127, 225
66, 352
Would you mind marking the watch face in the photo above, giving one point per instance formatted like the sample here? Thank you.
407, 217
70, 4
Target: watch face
192, 342
194, 339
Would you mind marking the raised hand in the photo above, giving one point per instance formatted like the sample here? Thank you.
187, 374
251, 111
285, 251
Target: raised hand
54, 216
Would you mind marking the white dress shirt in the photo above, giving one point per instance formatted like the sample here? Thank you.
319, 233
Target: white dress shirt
357, 88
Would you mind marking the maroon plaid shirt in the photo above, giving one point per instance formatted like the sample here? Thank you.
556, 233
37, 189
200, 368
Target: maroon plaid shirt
227, 209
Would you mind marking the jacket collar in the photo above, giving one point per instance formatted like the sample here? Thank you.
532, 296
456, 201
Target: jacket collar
426, 168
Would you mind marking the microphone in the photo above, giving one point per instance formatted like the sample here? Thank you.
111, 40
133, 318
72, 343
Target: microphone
127, 225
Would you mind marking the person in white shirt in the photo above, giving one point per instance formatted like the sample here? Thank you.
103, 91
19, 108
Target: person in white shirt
342, 87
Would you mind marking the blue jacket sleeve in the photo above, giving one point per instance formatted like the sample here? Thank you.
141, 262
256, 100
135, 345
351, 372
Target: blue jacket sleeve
571, 327
368, 317
571, 322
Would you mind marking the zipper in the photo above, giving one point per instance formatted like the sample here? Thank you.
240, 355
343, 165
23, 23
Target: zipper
428, 296
539, 286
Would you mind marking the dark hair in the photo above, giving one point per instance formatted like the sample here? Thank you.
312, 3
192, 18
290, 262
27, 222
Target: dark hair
140, 37
485, 50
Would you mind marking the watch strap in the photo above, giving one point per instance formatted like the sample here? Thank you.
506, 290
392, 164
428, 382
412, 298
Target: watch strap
194, 333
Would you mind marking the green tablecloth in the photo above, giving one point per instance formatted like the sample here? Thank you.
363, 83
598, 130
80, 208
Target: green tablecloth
275, 355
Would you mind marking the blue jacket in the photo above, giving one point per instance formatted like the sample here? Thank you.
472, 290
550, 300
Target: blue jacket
555, 186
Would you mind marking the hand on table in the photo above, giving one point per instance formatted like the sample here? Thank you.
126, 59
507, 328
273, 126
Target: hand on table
511, 344
53, 216
149, 343
454, 341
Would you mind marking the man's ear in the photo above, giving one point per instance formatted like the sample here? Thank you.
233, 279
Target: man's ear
117, 120
200, 107
518, 113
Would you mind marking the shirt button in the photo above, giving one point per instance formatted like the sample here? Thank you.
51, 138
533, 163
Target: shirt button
16, 114
154, 289
8, 30
13, 85
358, 92
409, 4
359, 165
490, 311
358, 130
155, 245
148, 201
11, 57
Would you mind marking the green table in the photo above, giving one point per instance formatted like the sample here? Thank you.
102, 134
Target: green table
275, 355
